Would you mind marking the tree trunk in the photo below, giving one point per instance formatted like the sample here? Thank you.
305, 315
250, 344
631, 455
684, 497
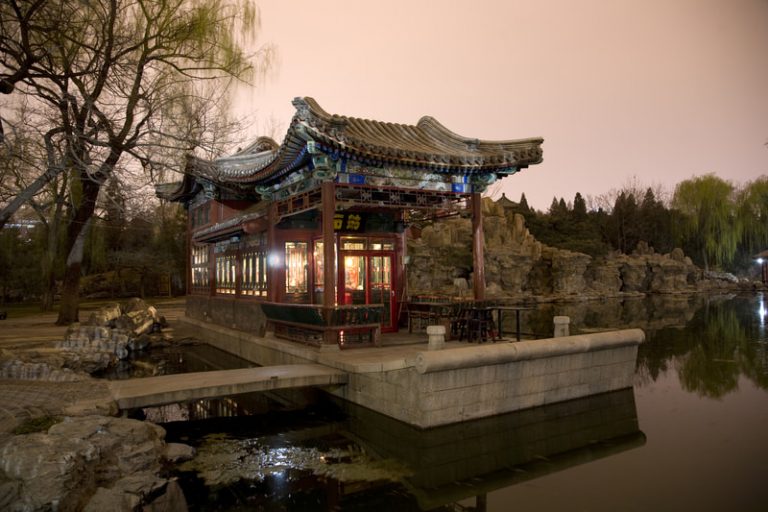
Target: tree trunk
49, 293
76, 231
70, 293
49, 259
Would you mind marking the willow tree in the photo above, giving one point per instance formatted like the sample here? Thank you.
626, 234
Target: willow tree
710, 221
753, 212
119, 74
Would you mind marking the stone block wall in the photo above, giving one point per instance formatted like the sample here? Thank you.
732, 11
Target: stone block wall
448, 386
454, 385
244, 315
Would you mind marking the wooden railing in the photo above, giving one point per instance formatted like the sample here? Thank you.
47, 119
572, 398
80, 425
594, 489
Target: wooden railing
348, 325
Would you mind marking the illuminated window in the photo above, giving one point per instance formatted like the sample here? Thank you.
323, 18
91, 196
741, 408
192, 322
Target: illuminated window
318, 257
319, 273
371, 244
382, 245
200, 276
353, 244
254, 266
296, 267
226, 268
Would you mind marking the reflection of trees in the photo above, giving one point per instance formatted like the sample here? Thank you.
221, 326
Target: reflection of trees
711, 368
709, 341
716, 346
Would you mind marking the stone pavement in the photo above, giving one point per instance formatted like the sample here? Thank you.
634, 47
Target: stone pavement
22, 400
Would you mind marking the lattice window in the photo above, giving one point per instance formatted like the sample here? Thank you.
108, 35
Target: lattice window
201, 215
296, 267
226, 268
201, 279
253, 263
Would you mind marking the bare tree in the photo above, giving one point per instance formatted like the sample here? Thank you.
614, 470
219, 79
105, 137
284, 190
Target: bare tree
117, 75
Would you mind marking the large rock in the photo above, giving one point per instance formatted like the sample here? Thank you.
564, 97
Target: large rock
518, 266
91, 463
604, 277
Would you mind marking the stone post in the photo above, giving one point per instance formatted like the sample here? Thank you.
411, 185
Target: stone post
436, 335
561, 326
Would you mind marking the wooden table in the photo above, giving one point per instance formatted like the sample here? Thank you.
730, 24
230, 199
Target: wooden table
486, 322
500, 316
434, 313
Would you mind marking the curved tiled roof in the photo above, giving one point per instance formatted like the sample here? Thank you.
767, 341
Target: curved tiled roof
428, 145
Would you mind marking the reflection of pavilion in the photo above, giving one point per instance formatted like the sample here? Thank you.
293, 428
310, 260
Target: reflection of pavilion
459, 461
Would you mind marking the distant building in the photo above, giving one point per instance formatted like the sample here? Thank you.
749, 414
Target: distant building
311, 233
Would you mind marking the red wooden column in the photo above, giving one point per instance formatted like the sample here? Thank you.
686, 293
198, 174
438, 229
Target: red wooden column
478, 263
328, 199
272, 259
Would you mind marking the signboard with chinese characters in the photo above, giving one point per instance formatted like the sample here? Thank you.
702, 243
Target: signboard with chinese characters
349, 221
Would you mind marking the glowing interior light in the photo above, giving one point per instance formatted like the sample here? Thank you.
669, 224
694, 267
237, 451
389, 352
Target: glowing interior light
273, 259
760, 261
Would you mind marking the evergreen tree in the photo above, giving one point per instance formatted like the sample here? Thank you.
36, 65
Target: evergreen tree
579, 207
523, 205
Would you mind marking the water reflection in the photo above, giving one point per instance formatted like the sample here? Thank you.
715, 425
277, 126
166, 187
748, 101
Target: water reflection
709, 341
723, 340
361, 459
452, 463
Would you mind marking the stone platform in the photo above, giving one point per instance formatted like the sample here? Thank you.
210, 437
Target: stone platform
426, 388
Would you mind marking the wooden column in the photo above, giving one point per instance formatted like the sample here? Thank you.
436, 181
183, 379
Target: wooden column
328, 198
478, 257
272, 260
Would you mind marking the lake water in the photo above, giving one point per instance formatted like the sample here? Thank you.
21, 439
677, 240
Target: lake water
691, 435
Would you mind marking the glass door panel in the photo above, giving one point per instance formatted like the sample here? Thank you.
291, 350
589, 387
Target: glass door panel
355, 280
368, 280
381, 285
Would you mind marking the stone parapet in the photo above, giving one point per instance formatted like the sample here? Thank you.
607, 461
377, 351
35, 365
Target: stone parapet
501, 353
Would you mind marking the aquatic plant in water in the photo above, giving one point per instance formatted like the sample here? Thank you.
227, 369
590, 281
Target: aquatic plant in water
222, 461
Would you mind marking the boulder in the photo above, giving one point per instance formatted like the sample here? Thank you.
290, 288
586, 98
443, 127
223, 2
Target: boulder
90, 463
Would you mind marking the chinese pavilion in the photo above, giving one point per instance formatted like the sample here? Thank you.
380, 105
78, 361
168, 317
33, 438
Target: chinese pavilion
309, 235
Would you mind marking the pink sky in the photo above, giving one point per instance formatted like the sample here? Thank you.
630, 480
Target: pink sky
659, 90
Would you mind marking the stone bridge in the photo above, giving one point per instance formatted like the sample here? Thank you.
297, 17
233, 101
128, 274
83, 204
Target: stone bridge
168, 389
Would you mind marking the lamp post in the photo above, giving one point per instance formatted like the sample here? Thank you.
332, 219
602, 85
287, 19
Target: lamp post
763, 262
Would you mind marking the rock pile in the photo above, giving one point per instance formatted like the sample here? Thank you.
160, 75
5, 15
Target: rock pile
109, 335
90, 463
520, 267
13, 368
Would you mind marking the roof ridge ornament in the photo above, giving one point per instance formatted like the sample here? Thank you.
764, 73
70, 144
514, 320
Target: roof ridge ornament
309, 111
